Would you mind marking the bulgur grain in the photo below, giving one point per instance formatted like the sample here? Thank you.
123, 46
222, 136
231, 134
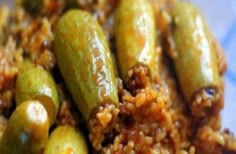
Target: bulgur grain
152, 117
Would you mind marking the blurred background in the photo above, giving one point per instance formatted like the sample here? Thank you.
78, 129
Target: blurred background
221, 18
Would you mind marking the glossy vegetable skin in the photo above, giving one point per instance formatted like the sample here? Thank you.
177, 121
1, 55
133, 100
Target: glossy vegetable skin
33, 82
84, 60
135, 35
66, 140
195, 64
27, 130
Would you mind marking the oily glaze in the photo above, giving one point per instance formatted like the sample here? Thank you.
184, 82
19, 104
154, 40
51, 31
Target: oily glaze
33, 82
27, 130
151, 117
134, 26
84, 60
66, 140
195, 64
